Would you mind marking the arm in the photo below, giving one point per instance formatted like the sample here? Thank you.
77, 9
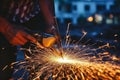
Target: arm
47, 11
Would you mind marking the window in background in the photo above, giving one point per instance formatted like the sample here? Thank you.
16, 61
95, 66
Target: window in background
74, 7
68, 8
87, 7
60, 7
100, 7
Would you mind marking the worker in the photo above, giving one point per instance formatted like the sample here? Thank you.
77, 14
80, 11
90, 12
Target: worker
15, 17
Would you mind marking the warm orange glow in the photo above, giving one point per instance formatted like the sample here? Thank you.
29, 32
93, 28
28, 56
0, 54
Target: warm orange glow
90, 19
47, 42
67, 60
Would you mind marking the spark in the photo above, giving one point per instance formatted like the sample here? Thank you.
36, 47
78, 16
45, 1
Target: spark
115, 35
66, 60
79, 62
106, 45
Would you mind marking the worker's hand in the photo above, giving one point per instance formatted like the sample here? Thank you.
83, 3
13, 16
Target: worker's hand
16, 36
19, 37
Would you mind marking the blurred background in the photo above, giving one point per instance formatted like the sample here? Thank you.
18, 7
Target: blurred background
99, 18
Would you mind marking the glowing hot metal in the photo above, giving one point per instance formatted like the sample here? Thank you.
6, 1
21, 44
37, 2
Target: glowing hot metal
65, 60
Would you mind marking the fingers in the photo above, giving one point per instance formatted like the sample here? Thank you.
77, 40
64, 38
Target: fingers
18, 39
15, 41
21, 38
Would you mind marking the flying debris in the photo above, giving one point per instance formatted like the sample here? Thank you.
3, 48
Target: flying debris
79, 62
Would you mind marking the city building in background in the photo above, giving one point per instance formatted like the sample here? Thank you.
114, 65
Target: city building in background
75, 10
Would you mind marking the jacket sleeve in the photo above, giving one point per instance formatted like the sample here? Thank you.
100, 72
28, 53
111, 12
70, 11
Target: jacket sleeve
47, 8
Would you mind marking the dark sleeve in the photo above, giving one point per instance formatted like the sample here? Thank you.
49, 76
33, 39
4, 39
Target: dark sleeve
1, 7
4, 5
52, 8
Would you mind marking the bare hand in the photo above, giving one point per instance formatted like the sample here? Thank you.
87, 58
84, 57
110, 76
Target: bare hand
16, 36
